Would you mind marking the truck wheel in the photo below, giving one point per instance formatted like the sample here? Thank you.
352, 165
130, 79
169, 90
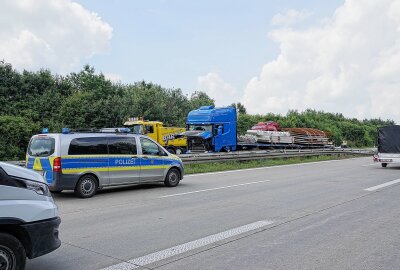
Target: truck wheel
86, 187
171, 150
173, 177
384, 165
12, 253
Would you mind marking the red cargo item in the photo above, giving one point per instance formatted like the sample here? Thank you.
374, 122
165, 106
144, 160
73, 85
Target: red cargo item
267, 126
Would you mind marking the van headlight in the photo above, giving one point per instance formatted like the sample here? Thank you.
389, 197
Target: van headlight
38, 187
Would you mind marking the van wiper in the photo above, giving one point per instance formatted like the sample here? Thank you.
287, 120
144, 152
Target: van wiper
42, 153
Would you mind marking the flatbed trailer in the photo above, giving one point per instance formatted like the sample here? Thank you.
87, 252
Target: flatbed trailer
245, 146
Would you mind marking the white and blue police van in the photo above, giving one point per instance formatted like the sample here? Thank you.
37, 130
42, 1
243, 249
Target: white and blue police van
87, 161
28, 217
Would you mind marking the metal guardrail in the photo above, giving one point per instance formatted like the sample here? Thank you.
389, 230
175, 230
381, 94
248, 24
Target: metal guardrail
265, 154
17, 162
254, 155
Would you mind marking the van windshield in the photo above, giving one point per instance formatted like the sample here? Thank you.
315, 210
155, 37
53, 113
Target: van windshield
41, 147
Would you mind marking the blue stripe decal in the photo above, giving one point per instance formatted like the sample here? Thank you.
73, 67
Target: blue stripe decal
31, 161
87, 164
112, 162
151, 161
83, 160
123, 161
48, 171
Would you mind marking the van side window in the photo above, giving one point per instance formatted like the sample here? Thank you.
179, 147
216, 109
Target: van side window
151, 148
88, 146
122, 146
149, 129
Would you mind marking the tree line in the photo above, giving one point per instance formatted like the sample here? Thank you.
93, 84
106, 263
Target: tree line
31, 101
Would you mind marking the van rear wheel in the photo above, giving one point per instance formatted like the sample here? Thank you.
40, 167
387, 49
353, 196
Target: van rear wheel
384, 165
12, 253
173, 177
86, 186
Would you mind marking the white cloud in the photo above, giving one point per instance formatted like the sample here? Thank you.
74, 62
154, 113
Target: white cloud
349, 63
223, 93
113, 77
59, 35
290, 17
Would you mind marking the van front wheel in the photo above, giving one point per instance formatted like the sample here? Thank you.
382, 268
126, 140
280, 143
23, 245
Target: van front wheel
86, 187
12, 253
171, 150
173, 177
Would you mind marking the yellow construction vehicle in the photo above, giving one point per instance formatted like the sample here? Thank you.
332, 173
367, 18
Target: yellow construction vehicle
163, 135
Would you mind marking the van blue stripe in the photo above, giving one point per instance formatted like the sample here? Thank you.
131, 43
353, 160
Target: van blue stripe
31, 161
87, 164
75, 163
48, 171
80, 160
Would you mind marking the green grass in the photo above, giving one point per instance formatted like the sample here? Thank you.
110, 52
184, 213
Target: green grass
237, 165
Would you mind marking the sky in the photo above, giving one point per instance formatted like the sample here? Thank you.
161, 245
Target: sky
272, 56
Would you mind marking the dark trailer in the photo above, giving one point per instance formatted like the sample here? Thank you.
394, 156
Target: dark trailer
388, 145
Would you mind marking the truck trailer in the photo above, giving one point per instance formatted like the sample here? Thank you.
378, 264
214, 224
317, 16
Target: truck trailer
388, 145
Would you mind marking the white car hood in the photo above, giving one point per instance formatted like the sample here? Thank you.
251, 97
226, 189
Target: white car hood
21, 172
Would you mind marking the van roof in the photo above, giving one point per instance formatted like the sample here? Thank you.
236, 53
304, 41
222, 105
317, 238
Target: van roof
89, 134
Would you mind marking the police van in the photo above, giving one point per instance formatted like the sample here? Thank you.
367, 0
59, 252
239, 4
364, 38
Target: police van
87, 161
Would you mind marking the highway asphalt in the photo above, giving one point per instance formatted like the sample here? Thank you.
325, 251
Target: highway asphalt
326, 215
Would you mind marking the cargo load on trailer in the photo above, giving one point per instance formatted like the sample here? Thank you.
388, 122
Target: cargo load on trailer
271, 136
308, 136
269, 133
163, 135
388, 145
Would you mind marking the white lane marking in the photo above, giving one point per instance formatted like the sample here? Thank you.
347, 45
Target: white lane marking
383, 185
366, 165
217, 188
270, 167
176, 250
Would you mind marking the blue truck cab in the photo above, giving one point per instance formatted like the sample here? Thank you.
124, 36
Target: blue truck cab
212, 129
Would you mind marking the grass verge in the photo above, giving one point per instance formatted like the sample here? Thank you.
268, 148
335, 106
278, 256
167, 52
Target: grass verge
237, 165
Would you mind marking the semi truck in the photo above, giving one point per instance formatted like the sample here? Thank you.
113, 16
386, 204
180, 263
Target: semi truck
213, 129
388, 145
158, 132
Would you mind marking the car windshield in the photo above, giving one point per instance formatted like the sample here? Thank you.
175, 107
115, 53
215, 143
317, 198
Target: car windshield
200, 128
41, 147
